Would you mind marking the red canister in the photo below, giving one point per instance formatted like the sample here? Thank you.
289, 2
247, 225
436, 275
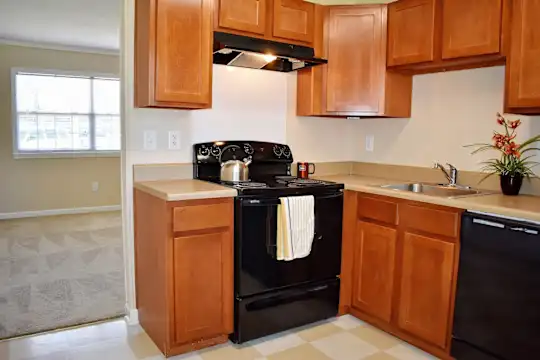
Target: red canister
304, 169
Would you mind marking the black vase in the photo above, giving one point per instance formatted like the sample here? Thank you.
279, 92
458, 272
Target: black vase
511, 184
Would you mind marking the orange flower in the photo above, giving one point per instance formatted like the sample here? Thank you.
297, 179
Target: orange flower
514, 124
500, 119
511, 149
498, 140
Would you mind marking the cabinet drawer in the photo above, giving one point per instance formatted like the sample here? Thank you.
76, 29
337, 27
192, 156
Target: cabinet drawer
433, 221
204, 216
377, 209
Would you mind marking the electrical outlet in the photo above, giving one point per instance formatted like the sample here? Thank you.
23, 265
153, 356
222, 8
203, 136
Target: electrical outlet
370, 143
95, 186
174, 140
150, 140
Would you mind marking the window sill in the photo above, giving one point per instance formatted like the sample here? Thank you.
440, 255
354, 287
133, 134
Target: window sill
66, 154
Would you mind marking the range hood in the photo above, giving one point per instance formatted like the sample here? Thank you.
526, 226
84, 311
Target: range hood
244, 51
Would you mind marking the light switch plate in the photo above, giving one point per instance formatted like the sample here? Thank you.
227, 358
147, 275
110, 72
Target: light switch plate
370, 143
150, 140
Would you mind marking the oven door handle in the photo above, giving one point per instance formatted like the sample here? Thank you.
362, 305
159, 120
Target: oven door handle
270, 202
261, 202
340, 194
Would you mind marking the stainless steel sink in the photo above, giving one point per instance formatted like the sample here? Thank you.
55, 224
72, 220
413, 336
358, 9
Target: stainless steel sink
439, 190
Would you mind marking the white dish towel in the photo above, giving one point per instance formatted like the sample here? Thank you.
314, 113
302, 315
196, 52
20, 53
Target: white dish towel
296, 227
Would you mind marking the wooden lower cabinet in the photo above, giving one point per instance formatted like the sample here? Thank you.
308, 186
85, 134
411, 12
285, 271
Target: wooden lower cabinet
184, 271
427, 273
374, 267
202, 286
402, 274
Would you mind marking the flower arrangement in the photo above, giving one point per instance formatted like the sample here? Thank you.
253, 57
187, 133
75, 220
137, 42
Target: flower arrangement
515, 161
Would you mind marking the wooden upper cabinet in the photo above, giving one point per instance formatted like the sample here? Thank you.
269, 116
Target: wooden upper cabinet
173, 53
427, 273
411, 31
294, 20
355, 59
523, 70
243, 15
427, 36
203, 283
355, 81
471, 28
373, 272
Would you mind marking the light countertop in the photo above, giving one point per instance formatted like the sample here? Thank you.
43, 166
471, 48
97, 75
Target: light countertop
188, 189
523, 206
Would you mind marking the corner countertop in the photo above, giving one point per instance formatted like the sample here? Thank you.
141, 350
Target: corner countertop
524, 207
188, 189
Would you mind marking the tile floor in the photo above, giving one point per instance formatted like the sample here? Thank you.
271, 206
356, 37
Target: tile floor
343, 338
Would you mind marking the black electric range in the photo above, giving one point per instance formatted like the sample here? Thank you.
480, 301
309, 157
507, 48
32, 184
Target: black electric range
272, 295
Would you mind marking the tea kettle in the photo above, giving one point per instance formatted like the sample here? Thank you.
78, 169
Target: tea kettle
235, 170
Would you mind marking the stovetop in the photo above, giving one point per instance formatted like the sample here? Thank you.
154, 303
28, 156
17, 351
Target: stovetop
281, 185
269, 172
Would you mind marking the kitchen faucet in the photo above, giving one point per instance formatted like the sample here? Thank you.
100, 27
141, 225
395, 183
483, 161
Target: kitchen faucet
452, 176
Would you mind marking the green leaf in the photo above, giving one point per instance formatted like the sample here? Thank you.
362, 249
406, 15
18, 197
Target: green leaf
486, 177
529, 142
529, 149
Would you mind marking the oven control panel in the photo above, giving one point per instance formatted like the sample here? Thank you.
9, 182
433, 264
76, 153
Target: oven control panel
221, 151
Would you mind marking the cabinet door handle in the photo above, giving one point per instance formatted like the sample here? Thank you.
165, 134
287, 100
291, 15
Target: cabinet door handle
527, 231
488, 223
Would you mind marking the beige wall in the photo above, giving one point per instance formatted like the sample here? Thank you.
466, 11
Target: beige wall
449, 110
44, 184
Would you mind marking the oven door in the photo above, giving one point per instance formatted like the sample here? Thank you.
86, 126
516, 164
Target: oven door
256, 268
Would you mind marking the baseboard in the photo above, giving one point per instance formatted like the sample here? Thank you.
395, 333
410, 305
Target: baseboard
132, 316
53, 212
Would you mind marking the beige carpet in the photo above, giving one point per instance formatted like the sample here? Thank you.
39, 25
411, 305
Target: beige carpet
60, 270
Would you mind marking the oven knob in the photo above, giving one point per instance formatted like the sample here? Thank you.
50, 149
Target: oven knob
287, 152
248, 149
278, 151
204, 151
216, 151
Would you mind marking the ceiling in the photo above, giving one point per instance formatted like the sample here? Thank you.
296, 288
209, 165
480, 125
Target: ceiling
82, 24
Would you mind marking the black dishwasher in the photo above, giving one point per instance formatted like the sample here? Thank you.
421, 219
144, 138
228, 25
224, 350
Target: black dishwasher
497, 313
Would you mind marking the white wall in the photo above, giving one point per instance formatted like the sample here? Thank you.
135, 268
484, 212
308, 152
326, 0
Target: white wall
317, 139
449, 110
247, 105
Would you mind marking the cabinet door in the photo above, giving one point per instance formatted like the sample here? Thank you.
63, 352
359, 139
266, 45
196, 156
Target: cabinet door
243, 15
426, 287
356, 67
411, 32
471, 28
294, 19
184, 52
203, 286
374, 265
524, 60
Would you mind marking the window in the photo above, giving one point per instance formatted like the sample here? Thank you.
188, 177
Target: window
65, 114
